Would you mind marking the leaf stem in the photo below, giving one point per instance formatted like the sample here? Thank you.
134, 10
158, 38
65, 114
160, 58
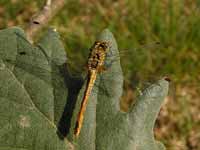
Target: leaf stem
42, 18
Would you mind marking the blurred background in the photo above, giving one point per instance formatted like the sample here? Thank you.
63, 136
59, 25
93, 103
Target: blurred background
137, 25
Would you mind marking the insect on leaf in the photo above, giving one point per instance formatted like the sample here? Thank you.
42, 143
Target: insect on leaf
39, 101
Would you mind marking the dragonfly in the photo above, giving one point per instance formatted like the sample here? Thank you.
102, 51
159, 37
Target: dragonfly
38, 63
95, 65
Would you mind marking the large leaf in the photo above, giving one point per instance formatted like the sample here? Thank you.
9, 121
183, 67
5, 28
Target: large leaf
31, 101
44, 100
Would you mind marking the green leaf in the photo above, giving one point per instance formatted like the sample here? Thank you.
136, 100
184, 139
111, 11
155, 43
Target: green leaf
44, 100
31, 102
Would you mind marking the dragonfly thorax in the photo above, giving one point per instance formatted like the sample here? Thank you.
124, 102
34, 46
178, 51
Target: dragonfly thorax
97, 55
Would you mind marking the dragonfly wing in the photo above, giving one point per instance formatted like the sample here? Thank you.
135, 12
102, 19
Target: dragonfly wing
113, 57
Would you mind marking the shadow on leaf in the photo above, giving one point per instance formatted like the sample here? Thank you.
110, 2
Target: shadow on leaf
74, 85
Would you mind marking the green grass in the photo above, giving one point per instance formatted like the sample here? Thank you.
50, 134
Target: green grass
174, 23
134, 23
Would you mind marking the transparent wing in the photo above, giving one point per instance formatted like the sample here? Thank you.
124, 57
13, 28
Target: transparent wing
126, 52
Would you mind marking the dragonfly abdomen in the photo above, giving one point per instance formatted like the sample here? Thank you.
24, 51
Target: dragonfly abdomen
89, 87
